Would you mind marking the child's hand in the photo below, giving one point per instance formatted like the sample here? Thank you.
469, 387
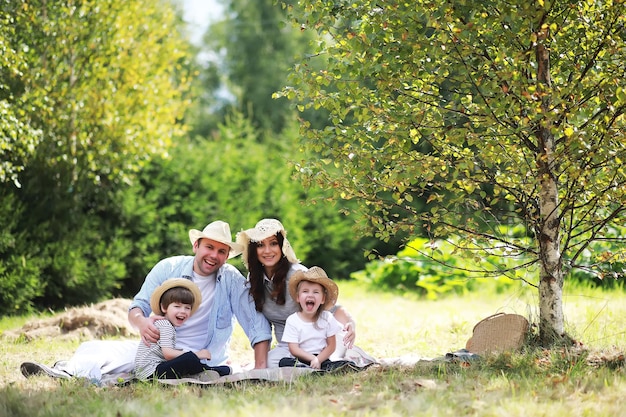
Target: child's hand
203, 354
315, 363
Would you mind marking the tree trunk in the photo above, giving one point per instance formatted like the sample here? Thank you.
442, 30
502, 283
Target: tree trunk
551, 322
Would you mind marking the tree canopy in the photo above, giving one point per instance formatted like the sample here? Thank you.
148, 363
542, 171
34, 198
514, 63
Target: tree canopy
253, 48
462, 120
17, 137
90, 91
99, 175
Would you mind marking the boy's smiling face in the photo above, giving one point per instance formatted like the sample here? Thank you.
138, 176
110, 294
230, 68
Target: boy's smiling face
177, 313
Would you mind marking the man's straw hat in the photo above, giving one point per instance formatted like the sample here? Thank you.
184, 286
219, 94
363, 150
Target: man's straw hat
218, 231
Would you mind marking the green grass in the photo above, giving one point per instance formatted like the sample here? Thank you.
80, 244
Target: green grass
536, 382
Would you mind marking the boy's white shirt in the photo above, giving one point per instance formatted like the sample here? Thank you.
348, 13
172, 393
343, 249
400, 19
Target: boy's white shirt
192, 336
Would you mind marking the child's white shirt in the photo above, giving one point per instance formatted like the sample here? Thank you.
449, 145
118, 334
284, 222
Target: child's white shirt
311, 337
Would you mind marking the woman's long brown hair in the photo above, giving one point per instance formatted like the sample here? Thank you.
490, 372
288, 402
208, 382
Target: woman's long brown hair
256, 272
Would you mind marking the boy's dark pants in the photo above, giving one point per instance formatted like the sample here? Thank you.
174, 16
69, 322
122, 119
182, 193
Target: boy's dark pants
186, 364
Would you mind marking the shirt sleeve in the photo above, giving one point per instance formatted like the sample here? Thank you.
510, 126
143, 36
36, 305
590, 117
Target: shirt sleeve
253, 322
167, 338
334, 326
291, 333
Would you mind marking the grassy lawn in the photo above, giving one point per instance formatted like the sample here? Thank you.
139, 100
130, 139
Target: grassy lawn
538, 383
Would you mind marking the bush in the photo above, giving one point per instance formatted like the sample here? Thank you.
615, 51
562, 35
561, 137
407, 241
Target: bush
429, 269
432, 269
606, 261
238, 176
20, 263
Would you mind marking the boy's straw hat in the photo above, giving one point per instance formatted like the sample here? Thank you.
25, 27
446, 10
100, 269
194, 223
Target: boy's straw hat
155, 298
317, 275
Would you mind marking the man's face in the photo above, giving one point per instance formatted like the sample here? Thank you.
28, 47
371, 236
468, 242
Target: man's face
210, 256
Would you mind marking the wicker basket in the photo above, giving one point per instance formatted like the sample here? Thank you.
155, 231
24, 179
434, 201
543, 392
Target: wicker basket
498, 333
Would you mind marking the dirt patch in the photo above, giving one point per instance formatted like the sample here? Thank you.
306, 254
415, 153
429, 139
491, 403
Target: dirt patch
108, 318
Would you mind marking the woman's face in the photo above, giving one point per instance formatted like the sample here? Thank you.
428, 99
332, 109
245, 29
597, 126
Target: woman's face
269, 252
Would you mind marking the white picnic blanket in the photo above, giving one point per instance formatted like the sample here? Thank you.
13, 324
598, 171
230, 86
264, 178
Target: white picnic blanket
95, 358
111, 362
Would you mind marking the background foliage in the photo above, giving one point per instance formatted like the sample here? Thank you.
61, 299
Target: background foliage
93, 90
459, 120
432, 269
117, 136
99, 177
440, 119
241, 179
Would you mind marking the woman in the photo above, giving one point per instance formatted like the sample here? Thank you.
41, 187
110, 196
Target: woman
271, 262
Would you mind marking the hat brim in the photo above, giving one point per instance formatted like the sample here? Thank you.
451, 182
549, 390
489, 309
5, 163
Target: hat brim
235, 248
332, 290
244, 238
155, 298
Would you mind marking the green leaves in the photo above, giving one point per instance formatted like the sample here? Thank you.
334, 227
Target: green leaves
89, 93
104, 84
452, 122
18, 138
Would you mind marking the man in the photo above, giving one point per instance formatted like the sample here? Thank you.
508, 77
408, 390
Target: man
224, 296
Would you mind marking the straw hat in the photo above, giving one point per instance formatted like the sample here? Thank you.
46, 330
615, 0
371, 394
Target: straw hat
218, 231
262, 230
317, 275
155, 298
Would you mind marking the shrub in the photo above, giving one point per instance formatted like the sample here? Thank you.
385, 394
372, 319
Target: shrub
20, 263
429, 269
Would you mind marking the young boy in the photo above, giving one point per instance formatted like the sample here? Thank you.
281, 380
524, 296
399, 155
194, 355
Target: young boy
310, 332
176, 299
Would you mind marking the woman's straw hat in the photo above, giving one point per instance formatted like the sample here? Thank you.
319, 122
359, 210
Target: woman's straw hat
264, 229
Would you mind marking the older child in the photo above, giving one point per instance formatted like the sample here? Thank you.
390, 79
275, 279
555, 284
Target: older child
271, 262
310, 332
176, 299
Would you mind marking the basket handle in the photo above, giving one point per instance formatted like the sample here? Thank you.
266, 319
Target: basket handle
488, 318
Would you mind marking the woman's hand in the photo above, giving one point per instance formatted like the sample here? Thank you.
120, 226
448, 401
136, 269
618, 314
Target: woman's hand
350, 336
349, 326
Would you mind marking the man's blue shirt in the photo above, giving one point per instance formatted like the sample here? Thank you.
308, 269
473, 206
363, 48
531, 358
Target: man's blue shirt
232, 300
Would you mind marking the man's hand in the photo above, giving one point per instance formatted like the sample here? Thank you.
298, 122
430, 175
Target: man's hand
148, 331
260, 354
204, 354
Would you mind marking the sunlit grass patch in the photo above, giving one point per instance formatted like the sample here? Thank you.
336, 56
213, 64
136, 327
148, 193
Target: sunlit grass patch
586, 380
